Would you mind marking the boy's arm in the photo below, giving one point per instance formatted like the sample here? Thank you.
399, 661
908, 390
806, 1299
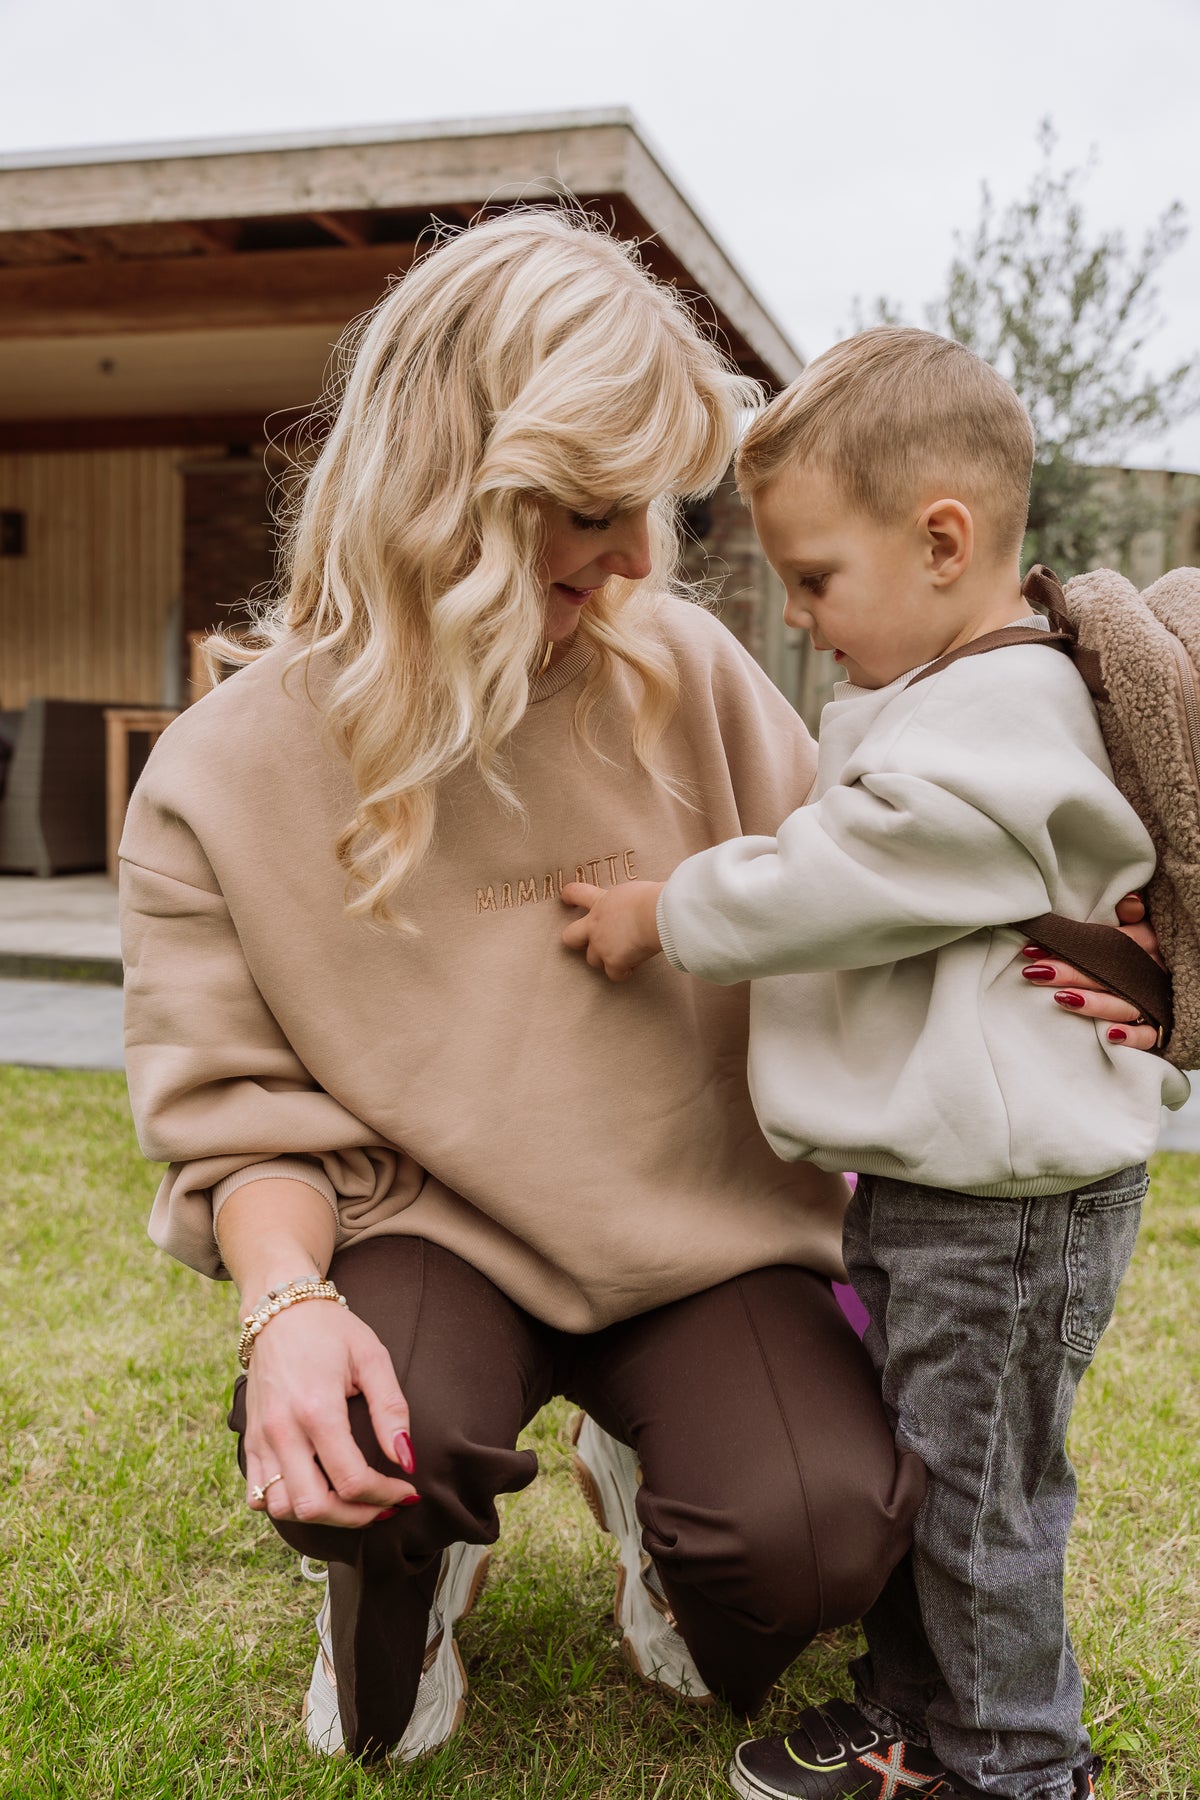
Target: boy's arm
962, 819
885, 869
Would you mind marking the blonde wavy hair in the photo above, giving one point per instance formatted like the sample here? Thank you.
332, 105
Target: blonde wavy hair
525, 360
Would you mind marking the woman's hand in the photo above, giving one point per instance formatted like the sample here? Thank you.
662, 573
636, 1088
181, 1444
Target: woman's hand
1081, 994
305, 1366
620, 927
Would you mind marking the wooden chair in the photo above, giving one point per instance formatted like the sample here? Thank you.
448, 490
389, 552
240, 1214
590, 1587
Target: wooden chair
121, 724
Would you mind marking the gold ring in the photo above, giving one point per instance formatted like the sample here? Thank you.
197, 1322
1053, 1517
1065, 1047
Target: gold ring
260, 1493
1140, 1019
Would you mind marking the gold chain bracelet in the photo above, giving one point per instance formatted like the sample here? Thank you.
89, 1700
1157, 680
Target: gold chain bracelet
277, 1300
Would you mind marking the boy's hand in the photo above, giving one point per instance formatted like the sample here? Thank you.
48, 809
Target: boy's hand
619, 929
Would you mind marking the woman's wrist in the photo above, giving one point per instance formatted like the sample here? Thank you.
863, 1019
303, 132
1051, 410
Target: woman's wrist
257, 1291
278, 1301
274, 1231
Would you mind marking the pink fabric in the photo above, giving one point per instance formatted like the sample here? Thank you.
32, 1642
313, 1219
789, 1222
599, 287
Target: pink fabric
845, 1295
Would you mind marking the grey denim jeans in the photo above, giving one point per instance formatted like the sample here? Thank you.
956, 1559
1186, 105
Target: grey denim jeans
985, 1313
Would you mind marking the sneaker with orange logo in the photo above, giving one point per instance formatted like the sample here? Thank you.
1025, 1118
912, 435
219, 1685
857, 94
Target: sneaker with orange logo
834, 1753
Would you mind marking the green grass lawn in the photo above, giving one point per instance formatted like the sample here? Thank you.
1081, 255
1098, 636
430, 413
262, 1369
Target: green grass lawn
156, 1638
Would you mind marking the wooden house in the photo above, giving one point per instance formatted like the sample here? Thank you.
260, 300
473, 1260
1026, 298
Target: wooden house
167, 312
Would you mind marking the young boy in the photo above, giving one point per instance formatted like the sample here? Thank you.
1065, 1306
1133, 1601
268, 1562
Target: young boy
1000, 1155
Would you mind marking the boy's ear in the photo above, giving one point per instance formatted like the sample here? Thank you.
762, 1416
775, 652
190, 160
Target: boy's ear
949, 533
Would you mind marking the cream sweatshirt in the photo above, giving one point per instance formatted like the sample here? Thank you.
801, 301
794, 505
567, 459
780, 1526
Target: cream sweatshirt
891, 1030
592, 1149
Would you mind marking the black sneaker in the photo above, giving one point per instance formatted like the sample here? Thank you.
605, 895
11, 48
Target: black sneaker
1085, 1778
834, 1753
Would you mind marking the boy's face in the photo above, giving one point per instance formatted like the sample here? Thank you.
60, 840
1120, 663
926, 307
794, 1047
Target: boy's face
860, 589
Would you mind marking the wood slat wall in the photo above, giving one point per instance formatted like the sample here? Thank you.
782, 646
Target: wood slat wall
84, 612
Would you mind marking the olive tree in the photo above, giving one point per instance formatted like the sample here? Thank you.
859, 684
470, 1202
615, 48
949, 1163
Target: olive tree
1064, 312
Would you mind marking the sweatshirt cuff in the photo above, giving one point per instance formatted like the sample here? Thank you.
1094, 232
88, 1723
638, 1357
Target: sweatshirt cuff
287, 1168
665, 934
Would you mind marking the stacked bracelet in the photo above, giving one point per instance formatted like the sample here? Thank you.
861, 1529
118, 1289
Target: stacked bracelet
277, 1300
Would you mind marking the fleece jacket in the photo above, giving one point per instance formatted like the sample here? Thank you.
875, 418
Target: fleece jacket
891, 1030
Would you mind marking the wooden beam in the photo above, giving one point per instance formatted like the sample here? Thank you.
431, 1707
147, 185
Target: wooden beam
38, 247
413, 169
404, 169
345, 230
35, 435
83, 244
191, 293
710, 272
216, 240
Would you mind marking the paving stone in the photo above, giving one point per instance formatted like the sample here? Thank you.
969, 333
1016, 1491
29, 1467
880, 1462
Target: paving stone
60, 1025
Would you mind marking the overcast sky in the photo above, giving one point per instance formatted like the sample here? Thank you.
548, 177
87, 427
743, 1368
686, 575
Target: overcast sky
832, 148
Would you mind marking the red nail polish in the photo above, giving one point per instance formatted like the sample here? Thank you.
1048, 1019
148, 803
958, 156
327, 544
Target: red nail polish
1068, 999
389, 1512
411, 1500
1039, 972
402, 1447
1031, 950
1116, 1035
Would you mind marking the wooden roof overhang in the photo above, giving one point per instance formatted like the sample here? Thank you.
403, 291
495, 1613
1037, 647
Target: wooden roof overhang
188, 293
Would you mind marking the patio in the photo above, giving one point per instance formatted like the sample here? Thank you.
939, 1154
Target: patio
65, 926
60, 972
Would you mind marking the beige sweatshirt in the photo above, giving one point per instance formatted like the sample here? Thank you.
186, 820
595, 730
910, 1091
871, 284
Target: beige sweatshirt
591, 1148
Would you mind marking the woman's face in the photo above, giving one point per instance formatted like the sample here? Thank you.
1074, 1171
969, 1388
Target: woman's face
582, 552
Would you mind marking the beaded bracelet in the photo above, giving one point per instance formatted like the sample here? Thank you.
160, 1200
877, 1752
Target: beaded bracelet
277, 1300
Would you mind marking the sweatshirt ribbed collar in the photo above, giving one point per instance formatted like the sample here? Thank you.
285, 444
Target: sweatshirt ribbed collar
563, 673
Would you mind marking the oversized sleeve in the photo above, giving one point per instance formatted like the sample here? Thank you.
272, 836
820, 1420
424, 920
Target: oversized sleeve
751, 753
961, 824
217, 1091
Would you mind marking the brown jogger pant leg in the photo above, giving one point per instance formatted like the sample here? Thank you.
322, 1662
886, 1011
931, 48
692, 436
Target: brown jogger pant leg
773, 1502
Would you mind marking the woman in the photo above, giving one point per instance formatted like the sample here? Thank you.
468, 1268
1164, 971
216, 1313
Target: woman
355, 1035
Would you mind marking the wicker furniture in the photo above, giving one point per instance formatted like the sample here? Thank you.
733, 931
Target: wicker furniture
52, 809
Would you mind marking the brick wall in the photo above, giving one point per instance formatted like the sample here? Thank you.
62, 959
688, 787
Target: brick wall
228, 546
723, 553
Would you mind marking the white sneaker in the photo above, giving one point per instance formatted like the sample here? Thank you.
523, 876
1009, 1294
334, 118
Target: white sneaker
442, 1694
608, 1474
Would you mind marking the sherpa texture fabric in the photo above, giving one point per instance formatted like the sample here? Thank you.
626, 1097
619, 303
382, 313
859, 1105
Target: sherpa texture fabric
1149, 649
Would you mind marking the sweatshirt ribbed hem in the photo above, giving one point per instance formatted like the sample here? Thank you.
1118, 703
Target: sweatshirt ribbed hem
286, 1168
665, 937
1014, 1187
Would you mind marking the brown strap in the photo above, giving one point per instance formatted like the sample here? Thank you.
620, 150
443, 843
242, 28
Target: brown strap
1042, 588
997, 640
1099, 951
1107, 955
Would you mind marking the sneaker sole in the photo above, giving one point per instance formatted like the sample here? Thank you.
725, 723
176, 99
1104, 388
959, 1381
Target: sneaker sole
588, 1486
750, 1788
459, 1605
457, 1591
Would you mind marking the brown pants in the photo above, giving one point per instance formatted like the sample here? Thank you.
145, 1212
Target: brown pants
773, 1503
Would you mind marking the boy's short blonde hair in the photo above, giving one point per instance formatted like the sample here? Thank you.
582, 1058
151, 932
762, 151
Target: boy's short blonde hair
892, 413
